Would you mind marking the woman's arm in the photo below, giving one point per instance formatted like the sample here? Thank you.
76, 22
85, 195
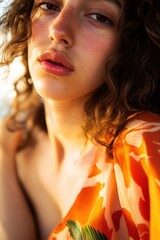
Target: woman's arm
16, 220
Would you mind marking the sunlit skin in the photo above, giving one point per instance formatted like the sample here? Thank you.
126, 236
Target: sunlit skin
67, 165
86, 34
83, 35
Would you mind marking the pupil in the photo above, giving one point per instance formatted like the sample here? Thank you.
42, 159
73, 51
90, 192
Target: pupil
101, 18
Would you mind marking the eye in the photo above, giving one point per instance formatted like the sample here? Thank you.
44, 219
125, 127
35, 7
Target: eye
100, 18
48, 6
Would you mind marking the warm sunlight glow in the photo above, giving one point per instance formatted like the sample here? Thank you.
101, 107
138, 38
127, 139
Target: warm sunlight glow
7, 78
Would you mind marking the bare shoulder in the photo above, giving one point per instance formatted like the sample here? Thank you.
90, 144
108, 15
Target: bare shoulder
30, 150
141, 135
29, 158
35, 170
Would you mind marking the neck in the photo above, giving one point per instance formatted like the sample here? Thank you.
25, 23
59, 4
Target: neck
64, 124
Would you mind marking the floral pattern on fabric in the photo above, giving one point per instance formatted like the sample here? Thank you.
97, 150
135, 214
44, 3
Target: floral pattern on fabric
85, 232
121, 196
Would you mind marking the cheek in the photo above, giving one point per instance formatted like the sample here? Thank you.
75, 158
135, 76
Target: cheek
37, 40
98, 51
32, 43
39, 27
31, 50
36, 33
101, 47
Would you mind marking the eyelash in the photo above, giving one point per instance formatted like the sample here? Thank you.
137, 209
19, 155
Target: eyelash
97, 17
46, 6
101, 18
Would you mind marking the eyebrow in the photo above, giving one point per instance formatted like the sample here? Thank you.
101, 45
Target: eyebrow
117, 2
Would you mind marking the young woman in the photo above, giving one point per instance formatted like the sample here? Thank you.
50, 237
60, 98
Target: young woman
81, 159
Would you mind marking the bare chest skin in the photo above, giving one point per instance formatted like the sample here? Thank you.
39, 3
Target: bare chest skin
52, 190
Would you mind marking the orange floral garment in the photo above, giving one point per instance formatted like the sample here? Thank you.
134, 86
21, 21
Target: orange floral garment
121, 196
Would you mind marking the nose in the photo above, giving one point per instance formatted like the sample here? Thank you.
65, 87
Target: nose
62, 28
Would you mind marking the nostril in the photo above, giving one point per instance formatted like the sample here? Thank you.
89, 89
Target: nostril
65, 41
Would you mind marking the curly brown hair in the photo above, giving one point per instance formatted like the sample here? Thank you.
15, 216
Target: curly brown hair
132, 75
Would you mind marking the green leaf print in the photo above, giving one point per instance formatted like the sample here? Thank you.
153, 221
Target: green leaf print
85, 232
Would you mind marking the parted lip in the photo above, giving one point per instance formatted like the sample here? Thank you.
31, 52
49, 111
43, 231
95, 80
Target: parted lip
56, 57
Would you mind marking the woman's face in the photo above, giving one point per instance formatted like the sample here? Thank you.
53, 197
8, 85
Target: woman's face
70, 44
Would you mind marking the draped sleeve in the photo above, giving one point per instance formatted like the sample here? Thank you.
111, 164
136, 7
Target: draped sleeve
137, 170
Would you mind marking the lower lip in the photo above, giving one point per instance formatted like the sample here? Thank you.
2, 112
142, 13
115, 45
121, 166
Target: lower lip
55, 69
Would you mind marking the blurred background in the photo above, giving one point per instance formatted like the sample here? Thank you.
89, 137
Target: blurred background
7, 75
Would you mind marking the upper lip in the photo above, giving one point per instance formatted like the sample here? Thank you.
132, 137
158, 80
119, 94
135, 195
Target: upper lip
57, 57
